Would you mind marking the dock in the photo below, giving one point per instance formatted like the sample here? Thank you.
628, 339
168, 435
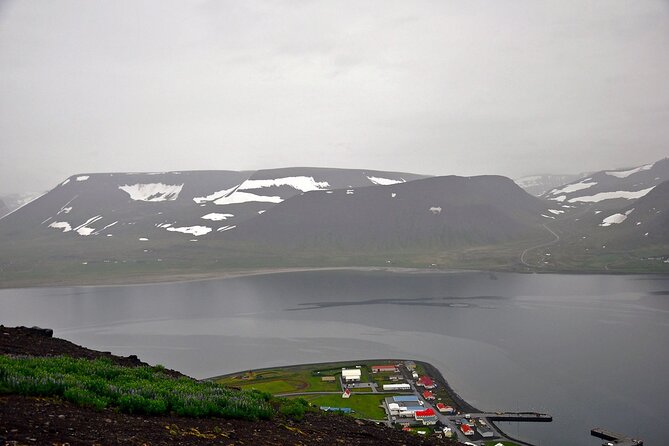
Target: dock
614, 438
516, 416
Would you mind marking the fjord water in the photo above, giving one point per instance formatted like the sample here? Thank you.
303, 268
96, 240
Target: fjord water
589, 349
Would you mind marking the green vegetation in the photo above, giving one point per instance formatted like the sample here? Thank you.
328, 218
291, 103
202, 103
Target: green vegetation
294, 408
365, 405
276, 381
137, 390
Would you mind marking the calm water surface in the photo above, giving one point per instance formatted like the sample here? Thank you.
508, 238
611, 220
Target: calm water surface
590, 350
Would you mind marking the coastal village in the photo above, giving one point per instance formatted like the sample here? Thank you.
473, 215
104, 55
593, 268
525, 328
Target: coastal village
401, 394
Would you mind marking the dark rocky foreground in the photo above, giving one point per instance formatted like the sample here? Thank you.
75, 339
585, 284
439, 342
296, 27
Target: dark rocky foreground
51, 421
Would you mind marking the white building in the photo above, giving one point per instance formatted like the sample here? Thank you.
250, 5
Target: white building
351, 375
396, 387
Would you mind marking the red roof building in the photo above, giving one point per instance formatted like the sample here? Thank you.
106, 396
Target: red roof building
443, 408
427, 416
426, 381
428, 395
466, 429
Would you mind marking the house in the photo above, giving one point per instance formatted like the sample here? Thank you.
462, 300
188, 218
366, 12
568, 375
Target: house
441, 407
351, 375
328, 379
466, 430
414, 375
428, 395
410, 365
426, 416
346, 394
384, 368
426, 381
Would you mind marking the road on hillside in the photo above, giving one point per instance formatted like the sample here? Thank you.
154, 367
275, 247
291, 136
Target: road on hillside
543, 245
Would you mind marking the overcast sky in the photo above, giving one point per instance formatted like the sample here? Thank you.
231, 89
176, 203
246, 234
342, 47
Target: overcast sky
440, 87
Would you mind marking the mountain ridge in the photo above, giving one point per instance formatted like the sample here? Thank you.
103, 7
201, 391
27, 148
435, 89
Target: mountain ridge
196, 223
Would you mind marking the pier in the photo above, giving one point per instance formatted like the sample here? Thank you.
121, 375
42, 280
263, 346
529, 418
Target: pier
615, 439
515, 416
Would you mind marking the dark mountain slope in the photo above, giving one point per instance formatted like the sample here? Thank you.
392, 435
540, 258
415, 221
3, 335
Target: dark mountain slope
101, 204
643, 222
174, 205
433, 213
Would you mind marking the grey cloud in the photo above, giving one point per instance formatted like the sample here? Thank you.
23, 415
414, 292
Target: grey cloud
513, 87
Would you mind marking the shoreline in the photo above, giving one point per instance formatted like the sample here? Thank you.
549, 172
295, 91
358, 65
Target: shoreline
177, 278
430, 370
233, 274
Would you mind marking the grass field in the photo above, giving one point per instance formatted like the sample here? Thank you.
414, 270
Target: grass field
424, 430
275, 381
365, 406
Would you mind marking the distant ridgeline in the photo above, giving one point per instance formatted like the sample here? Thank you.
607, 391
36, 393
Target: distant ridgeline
213, 220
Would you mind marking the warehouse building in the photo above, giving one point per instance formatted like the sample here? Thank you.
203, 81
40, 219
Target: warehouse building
351, 375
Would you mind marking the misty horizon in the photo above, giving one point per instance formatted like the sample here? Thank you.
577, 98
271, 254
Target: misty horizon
511, 89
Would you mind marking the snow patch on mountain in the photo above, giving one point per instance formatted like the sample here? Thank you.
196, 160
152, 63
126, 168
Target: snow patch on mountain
82, 177
65, 226
86, 230
556, 212
628, 195
194, 230
583, 184
66, 208
435, 210
385, 181
234, 196
152, 191
226, 228
108, 226
626, 173
615, 219
217, 217
215, 196
246, 197
301, 183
